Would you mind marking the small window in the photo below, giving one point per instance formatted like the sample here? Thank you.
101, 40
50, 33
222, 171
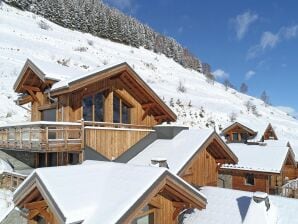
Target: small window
48, 115
146, 216
235, 137
87, 108
249, 179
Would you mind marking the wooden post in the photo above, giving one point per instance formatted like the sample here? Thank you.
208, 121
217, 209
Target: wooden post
82, 134
46, 137
21, 138
65, 135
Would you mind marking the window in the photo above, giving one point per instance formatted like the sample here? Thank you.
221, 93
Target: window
147, 216
125, 111
93, 107
116, 109
99, 107
235, 137
48, 115
121, 111
87, 108
249, 179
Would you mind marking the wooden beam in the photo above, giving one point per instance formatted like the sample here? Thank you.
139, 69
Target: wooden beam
24, 99
146, 112
33, 88
32, 213
33, 95
36, 205
161, 117
148, 105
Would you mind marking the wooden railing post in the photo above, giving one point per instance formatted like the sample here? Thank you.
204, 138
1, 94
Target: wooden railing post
47, 137
82, 134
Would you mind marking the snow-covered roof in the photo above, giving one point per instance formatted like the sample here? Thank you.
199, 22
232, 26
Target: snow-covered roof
232, 206
178, 151
5, 167
74, 77
260, 158
97, 192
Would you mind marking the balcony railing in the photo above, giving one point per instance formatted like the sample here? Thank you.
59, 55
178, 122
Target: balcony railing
42, 136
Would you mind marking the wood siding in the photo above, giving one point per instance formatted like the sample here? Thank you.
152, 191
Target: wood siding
261, 183
202, 170
112, 142
70, 105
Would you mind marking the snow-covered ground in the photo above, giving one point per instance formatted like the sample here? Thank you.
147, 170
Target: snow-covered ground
21, 37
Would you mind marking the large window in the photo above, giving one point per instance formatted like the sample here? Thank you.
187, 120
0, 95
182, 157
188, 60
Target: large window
93, 107
121, 111
249, 179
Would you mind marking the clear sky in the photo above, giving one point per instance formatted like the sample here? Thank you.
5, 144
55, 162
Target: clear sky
252, 41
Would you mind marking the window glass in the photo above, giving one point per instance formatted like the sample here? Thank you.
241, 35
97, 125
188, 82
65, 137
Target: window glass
87, 108
125, 114
250, 179
147, 219
48, 115
99, 107
116, 109
235, 137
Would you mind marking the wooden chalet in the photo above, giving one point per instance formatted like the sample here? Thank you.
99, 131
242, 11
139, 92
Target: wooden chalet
106, 112
195, 155
147, 195
238, 132
260, 168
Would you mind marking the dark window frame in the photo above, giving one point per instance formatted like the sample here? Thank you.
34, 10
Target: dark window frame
250, 179
93, 106
122, 102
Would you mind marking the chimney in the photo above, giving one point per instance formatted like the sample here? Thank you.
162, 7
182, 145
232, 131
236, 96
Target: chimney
159, 162
260, 197
260, 210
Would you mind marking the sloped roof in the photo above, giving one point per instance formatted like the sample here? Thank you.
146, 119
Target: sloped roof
179, 150
66, 79
240, 125
231, 206
97, 192
259, 158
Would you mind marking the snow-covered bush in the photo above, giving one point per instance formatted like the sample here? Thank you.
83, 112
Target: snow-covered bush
43, 25
90, 42
81, 49
64, 62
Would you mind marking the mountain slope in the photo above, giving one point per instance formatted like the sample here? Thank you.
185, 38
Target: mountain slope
24, 35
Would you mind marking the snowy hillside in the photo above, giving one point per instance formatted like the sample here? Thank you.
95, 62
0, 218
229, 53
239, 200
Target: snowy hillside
24, 35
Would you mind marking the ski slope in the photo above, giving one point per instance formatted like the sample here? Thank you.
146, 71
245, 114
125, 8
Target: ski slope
21, 37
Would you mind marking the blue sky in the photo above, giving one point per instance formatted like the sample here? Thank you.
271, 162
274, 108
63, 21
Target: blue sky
249, 41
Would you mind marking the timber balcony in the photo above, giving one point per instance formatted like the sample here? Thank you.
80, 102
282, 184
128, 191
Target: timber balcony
42, 136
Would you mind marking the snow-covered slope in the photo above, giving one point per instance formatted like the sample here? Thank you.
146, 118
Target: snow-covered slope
22, 37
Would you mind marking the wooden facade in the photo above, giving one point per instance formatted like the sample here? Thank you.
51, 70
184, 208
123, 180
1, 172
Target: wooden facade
117, 108
268, 182
162, 203
269, 133
202, 169
238, 133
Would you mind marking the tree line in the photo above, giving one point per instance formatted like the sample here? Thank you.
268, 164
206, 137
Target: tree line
97, 18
